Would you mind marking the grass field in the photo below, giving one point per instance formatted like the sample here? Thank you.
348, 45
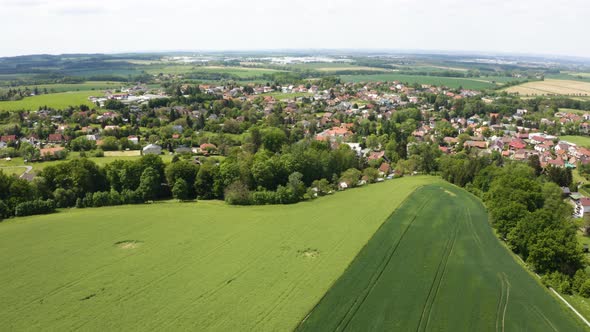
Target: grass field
55, 100
451, 82
578, 140
16, 163
284, 96
13, 170
435, 265
552, 87
90, 85
185, 266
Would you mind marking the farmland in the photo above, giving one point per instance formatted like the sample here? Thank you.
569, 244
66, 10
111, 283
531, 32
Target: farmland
90, 85
188, 266
451, 82
552, 87
435, 265
54, 100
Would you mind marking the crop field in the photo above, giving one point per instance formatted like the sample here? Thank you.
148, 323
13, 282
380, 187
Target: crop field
435, 265
243, 72
55, 100
578, 140
451, 82
185, 266
552, 87
90, 85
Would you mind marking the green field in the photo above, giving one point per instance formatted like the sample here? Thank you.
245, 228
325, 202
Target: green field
451, 82
242, 72
185, 266
12, 170
435, 265
15, 165
54, 100
578, 140
90, 85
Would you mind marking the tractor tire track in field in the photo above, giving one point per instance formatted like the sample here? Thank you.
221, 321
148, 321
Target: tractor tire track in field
240, 272
81, 278
503, 302
361, 298
302, 277
544, 318
506, 302
437, 280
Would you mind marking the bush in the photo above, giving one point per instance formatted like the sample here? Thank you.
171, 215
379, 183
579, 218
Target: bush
64, 198
579, 278
30, 208
101, 198
180, 190
237, 193
263, 197
4, 210
565, 287
585, 289
99, 153
131, 197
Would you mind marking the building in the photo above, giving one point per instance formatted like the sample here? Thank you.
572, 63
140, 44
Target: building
152, 149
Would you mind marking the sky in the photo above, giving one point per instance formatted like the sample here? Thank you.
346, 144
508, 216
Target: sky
113, 26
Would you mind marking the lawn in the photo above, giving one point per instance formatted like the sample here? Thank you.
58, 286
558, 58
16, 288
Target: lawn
185, 266
435, 265
109, 157
290, 96
13, 170
578, 140
451, 82
54, 100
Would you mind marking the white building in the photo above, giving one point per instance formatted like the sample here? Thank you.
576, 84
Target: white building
152, 149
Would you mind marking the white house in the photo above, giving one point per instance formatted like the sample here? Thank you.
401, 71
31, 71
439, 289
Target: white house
583, 206
152, 149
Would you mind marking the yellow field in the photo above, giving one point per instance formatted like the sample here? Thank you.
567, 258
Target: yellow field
132, 153
351, 68
552, 87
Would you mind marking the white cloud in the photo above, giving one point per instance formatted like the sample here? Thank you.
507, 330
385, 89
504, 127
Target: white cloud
523, 26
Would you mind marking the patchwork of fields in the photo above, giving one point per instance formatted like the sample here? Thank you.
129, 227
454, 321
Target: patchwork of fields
192, 266
552, 87
435, 265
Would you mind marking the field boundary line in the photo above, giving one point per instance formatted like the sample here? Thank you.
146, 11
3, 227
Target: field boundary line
571, 307
381, 268
438, 277
553, 290
362, 248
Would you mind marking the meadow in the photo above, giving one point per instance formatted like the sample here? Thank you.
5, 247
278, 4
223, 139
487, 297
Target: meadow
578, 140
451, 82
435, 265
186, 266
54, 100
552, 87
15, 165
